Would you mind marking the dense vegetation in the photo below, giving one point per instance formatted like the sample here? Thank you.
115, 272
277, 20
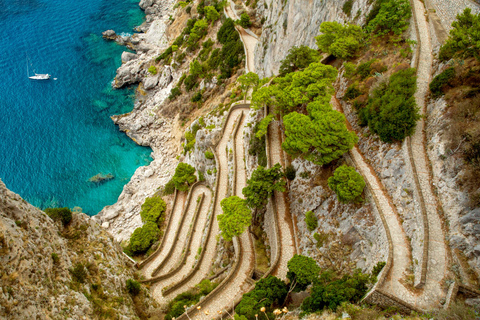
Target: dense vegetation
389, 16
262, 184
339, 40
60, 214
143, 238
392, 112
464, 38
236, 217
183, 178
298, 58
153, 209
347, 183
311, 221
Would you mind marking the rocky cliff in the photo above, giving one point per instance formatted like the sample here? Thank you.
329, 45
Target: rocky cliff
40, 262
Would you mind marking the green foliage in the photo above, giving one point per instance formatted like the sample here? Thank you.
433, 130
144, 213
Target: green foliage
201, 176
311, 221
176, 308
184, 176
440, 81
153, 70
245, 20
211, 14
263, 126
166, 54
297, 88
232, 52
464, 38
190, 82
143, 238
349, 69
209, 155
290, 173
79, 273
153, 209
190, 137
227, 32
262, 184
393, 16
302, 271
347, 183
196, 68
392, 112
60, 214
188, 9
320, 238
257, 147
215, 58
347, 7
235, 219
339, 40
321, 137
55, 258
352, 92
133, 287
269, 292
378, 268
330, 291
365, 69
197, 97
198, 31
247, 81
169, 188
298, 58
174, 93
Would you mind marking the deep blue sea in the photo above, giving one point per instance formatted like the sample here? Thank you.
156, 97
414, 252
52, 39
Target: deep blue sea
56, 134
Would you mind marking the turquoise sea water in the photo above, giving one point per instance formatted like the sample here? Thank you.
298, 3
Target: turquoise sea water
56, 134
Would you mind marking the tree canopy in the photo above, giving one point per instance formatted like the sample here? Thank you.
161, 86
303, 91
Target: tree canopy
211, 13
390, 16
339, 40
153, 209
235, 219
60, 214
248, 81
143, 238
298, 58
347, 183
184, 176
321, 137
302, 271
464, 38
262, 184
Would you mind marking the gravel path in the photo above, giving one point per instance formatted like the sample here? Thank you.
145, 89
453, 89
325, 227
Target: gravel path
285, 224
169, 237
437, 253
239, 283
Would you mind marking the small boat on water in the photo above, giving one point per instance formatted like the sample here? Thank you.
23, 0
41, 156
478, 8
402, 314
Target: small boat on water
37, 76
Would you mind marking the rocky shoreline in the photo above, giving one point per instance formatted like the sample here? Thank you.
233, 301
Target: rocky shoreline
143, 125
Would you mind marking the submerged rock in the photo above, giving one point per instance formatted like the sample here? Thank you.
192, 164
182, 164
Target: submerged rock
100, 177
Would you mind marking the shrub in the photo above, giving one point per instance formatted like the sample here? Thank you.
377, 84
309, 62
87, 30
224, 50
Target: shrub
152, 70
235, 219
440, 81
393, 16
143, 238
365, 69
232, 52
184, 176
311, 221
378, 268
197, 97
174, 93
209, 155
190, 82
352, 92
176, 307
263, 126
133, 287
60, 214
211, 14
290, 173
339, 40
55, 258
347, 183
298, 58
169, 188
392, 112
167, 53
257, 147
153, 209
188, 9
347, 7
245, 20
464, 38
79, 273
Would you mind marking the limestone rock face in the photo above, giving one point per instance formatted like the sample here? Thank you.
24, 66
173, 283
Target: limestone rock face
293, 24
128, 56
129, 73
35, 285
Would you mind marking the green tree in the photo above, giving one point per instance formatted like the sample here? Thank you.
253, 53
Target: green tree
184, 176
211, 14
393, 16
339, 40
302, 271
441, 81
245, 20
248, 81
262, 184
298, 58
464, 38
143, 238
347, 183
79, 273
196, 68
263, 126
392, 112
319, 138
133, 287
198, 31
235, 219
153, 209
60, 214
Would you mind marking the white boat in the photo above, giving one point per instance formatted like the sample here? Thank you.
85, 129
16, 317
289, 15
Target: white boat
37, 76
